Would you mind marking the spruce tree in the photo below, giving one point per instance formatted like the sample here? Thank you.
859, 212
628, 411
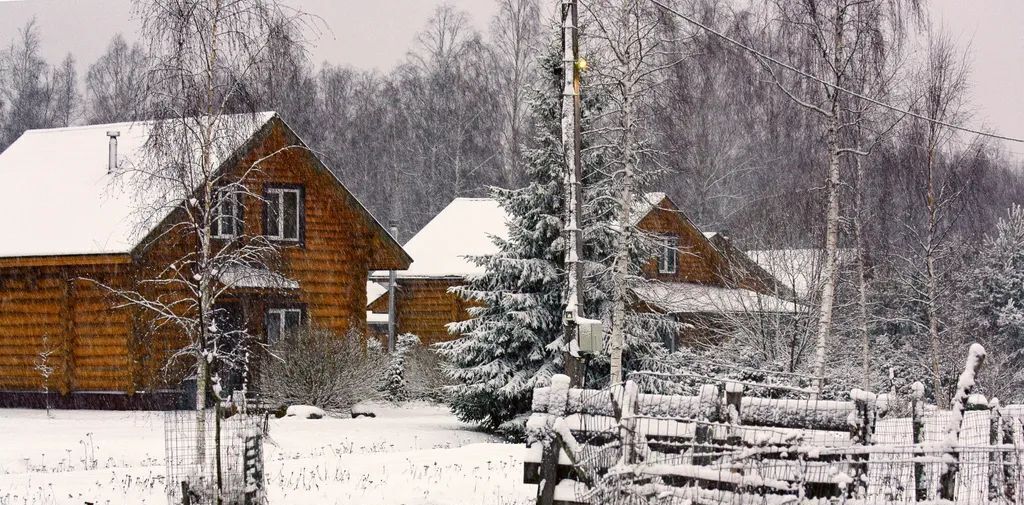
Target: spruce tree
505, 347
510, 343
998, 294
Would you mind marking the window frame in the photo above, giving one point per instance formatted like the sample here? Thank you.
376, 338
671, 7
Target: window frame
238, 213
283, 310
300, 214
669, 253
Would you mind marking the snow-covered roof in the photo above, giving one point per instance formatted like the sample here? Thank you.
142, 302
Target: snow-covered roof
374, 291
376, 317
240, 276
686, 298
644, 205
462, 230
64, 201
797, 268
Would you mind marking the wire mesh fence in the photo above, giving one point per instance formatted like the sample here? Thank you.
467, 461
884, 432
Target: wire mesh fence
622, 446
213, 458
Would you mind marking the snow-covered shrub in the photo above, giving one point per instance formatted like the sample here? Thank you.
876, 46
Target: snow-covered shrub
317, 367
413, 372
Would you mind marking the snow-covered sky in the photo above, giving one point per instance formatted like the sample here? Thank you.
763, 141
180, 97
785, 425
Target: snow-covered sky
377, 34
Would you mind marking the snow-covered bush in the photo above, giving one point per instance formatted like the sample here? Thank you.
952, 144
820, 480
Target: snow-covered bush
413, 372
317, 367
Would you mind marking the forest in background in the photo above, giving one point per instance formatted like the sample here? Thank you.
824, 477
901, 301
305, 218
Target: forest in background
734, 151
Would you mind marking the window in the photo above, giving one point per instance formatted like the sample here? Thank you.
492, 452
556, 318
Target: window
281, 322
668, 256
284, 213
227, 214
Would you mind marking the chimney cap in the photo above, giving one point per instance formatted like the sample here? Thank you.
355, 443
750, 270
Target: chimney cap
113, 133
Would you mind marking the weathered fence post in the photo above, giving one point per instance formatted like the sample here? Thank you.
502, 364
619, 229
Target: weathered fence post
861, 434
995, 459
708, 412
733, 404
557, 402
627, 402
964, 386
917, 417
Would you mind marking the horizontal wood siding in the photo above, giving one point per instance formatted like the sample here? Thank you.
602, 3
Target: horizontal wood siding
696, 261
97, 347
425, 307
65, 311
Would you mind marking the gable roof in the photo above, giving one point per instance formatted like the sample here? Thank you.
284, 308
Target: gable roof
461, 230
68, 204
465, 229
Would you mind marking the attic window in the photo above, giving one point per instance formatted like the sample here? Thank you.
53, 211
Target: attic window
667, 258
227, 219
284, 213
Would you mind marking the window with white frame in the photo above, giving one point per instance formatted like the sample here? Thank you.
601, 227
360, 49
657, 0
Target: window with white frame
668, 256
281, 322
284, 213
227, 214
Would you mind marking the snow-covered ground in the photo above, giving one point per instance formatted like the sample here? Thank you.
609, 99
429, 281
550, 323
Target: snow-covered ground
415, 454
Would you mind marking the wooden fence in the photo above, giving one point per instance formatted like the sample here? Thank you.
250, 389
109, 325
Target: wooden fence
731, 445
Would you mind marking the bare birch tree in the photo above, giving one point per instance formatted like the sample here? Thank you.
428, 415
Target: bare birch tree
944, 81
836, 33
116, 83
515, 30
627, 41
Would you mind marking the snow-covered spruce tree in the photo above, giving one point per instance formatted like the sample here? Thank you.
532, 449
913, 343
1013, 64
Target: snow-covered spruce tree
998, 298
506, 348
396, 383
503, 352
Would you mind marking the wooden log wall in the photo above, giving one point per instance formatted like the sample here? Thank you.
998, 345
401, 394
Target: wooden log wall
97, 348
68, 313
425, 307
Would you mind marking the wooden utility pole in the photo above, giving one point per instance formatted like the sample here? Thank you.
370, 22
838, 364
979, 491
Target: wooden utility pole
392, 310
571, 146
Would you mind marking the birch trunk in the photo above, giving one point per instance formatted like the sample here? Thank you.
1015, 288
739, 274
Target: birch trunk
932, 280
620, 272
831, 267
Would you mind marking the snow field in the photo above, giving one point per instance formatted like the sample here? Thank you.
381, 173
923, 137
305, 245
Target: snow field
414, 454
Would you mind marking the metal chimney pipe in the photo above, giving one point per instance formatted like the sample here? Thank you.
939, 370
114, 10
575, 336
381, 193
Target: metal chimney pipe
112, 151
392, 314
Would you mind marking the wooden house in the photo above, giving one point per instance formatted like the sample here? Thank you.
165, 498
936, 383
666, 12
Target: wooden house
74, 230
696, 276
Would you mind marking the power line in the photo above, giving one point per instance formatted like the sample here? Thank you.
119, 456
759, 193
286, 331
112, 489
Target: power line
826, 83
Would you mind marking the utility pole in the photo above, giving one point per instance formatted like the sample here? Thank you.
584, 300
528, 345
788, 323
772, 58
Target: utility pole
571, 146
392, 312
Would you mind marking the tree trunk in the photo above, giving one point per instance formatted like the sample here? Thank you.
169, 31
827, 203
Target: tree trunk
862, 287
830, 274
932, 280
831, 267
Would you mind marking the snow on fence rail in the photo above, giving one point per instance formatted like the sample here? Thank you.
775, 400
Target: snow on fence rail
622, 446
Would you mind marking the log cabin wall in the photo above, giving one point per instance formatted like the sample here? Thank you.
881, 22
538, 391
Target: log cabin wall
330, 262
100, 348
425, 307
66, 311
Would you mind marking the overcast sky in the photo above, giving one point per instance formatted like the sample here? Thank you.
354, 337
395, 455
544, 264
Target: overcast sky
377, 33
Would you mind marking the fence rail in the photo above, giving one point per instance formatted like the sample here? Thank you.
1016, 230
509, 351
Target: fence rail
620, 445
